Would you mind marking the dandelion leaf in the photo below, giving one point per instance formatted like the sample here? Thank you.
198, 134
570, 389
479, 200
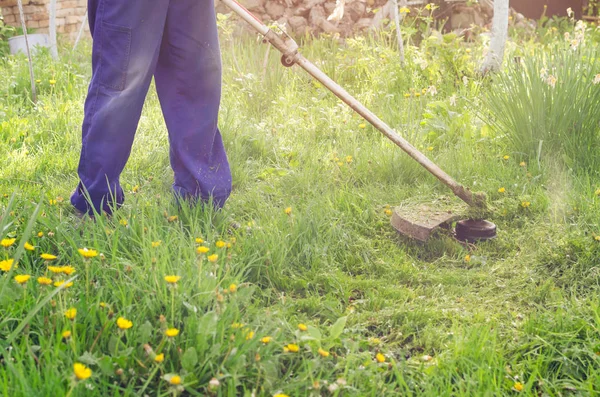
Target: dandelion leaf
145, 332
189, 359
337, 328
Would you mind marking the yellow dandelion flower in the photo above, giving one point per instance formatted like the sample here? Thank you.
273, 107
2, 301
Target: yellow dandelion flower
44, 280
525, 204
380, 358
172, 279
202, 249
48, 257
597, 192
362, 125
467, 258
6, 265
71, 313
7, 242
175, 380
88, 253
404, 10
237, 325
199, 240
220, 244
61, 282
28, 246
103, 304
66, 334
52, 202
81, 371
597, 238
349, 159
501, 190
430, 148
292, 347
417, 94
518, 386
52, 81
55, 269
387, 211
266, 339
288, 211
522, 164
22, 278
172, 218
506, 157
302, 327
123, 323
212, 258
172, 332
68, 270
232, 288
468, 50
40, 234
159, 358
123, 222
250, 335
323, 353
156, 243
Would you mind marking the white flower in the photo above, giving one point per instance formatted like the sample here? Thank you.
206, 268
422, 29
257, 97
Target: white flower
213, 383
452, 100
544, 73
432, 90
596, 79
551, 81
570, 12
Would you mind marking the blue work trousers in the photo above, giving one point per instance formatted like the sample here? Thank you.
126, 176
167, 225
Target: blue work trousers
175, 41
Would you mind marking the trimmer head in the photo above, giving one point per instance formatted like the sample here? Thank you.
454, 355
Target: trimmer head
419, 221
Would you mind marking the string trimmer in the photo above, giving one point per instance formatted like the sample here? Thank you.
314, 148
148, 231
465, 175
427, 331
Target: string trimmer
416, 223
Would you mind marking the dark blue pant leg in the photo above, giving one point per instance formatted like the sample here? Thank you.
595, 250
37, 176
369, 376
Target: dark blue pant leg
127, 37
188, 81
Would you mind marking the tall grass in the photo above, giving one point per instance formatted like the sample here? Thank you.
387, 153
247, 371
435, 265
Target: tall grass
548, 106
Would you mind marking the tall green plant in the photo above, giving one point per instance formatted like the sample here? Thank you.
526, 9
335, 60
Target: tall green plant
5, 33
548, 104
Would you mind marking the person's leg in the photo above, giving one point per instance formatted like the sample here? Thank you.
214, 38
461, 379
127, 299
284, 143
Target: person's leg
188, 81
127, 37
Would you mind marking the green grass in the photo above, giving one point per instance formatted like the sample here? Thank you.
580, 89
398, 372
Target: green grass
523, 310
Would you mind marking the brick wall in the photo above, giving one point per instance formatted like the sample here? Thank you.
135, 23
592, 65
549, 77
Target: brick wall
69, 15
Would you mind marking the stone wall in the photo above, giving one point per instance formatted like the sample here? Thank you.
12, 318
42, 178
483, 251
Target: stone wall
345, 17
69, 15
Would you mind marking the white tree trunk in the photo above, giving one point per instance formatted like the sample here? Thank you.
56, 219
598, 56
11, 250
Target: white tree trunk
493, 60
52, 29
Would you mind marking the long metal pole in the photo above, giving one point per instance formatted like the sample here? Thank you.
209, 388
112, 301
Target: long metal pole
290, 56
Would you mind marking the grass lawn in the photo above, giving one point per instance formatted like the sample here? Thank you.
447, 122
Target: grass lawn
305, 288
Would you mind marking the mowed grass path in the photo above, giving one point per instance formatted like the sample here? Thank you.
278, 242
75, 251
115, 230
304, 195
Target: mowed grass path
516, 315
